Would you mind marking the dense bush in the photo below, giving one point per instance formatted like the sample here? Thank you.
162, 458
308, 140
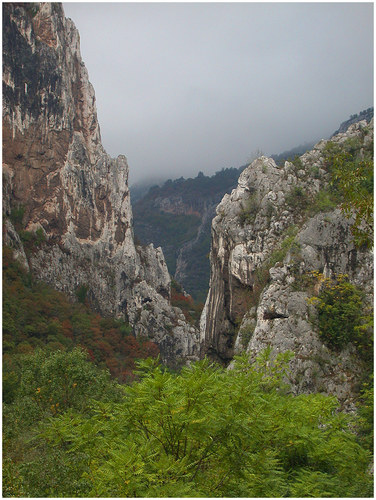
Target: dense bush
297, 198
16, 216
209, 432
48, 385
351, 167
249, 211
342, 314
365, 422
325, 201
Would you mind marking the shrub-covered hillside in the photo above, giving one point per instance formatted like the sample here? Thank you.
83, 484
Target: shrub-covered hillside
72, 432
37, 316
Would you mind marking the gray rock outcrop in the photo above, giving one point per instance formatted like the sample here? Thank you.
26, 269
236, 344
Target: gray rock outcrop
267, 234
56, 169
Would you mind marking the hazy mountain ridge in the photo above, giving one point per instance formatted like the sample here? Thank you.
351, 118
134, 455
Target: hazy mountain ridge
177, 217
185, 238
366, 114
290, 154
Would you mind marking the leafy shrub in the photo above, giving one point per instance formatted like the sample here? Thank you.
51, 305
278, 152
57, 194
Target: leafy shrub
324, 202
249, 211
297, 198
172, 436
48, 385
315, 172
32, 240
51, 382
246, 334
297, 162
341, 315
16, 216
270, 210
351, 167
32, 9
366, 415
81, 293
11, 480
288, 244
39, 236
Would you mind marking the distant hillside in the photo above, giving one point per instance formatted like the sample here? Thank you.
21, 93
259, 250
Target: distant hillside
140, 189
366, 114
177, 216
290, 154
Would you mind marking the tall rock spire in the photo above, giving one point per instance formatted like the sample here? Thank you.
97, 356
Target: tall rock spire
57, 171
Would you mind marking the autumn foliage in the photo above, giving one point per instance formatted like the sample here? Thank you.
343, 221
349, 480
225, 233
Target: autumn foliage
190, 308
35, 316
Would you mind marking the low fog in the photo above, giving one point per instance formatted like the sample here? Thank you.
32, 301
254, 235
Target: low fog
189, 87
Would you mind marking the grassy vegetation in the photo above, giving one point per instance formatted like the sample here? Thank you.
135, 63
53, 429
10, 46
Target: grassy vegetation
249, 210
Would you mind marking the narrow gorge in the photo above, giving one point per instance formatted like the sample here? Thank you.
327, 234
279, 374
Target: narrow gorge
126, 373
274, 229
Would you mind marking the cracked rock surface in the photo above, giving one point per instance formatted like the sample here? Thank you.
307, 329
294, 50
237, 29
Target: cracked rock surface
55, 167
263, 242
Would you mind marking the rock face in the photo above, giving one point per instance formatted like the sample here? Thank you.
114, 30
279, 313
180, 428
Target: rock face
56, 170
266, 235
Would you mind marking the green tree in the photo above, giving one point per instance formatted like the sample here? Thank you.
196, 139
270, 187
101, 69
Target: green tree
351, 165
366, 415
210, 432
343, 315
48, 384
356, 183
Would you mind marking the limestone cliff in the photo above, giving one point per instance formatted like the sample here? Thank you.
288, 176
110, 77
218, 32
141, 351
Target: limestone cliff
57, 174
268, 233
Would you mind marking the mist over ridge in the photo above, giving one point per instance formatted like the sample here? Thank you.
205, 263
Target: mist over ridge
183, 88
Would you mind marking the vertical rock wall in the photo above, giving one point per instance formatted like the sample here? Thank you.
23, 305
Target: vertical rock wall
56, 170
263, 242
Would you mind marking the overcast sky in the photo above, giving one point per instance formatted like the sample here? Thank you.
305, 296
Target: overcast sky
184, 87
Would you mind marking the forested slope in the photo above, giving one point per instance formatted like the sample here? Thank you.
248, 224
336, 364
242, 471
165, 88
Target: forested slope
177, 216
